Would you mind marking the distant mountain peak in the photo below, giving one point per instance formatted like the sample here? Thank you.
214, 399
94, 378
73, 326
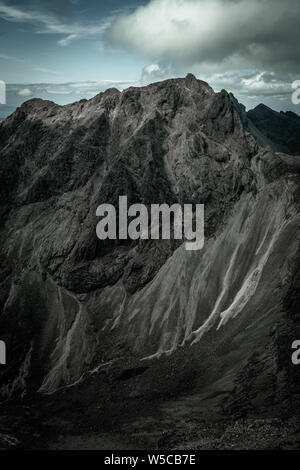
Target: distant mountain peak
282, 129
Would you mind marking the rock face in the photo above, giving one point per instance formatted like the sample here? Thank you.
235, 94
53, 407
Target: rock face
281, 130
71, 304
261, 137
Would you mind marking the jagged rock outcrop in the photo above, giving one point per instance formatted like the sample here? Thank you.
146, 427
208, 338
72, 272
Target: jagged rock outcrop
71, 304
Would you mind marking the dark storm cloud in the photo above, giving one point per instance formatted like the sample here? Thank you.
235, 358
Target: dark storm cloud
218, 33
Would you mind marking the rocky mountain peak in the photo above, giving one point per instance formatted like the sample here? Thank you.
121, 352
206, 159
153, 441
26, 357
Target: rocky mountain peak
71, 304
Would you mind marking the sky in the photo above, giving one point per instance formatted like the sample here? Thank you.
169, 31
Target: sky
66, 50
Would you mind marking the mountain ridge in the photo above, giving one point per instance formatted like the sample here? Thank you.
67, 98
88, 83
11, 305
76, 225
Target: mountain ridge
281, 128
146, 321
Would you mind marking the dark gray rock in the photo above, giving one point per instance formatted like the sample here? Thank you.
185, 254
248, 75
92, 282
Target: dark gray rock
199, 323
282, 129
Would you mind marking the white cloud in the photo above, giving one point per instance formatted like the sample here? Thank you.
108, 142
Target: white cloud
25, 92
151, 68
71, 91
217, 33
45, 70
154, 72
66, 41
251, 82
47, 23
258, 85
9, 57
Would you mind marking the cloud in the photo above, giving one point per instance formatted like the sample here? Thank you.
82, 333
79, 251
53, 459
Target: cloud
251, 83
154, 72
62, 93
248, 48
9, 57
218, 34
266, 83
25, 92
47, 23
45, 70
66, 41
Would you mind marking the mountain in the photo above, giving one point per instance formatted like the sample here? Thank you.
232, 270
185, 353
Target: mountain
261, 138
143, 338
283, 128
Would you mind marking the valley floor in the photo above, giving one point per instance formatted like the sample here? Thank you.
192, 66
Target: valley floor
50, 425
